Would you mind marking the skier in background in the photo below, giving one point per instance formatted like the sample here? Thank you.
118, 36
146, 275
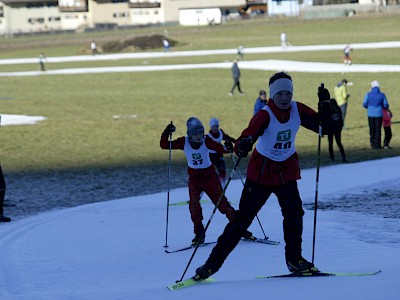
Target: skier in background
202, 174
347, 57
217, 159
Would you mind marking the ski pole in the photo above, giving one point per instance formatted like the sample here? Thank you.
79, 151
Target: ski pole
169, 179
320, 107
241, 179
211, 217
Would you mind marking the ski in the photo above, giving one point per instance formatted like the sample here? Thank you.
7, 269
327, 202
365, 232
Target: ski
262, 241
189, 247
319, 274
256, 240
188, 282
181, 203
186, 202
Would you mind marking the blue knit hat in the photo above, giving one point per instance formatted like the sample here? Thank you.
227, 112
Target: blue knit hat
194, 126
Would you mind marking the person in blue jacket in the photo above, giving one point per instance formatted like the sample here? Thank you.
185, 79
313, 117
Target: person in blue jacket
260, 102
374, 101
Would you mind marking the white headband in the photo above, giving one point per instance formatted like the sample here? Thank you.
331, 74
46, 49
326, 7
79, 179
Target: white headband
214, 122
281, 84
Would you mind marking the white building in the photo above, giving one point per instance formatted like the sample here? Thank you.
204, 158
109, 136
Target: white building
24, 16
283, 8
18, 16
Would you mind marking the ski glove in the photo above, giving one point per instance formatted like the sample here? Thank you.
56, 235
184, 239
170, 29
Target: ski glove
228, 146
170, 128
323, 94
244, 147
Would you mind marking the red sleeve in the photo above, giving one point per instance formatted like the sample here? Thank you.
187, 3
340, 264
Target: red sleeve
308, 117
179, 143
258, 123
213, 145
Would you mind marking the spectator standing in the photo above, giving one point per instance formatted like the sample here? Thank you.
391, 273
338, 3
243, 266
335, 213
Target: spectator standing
240, 52
374, 101
284, 41
93, 48
166, 45
334, 130
387, 123
260, 102
42, 59
3, 218
236, 78
342, 97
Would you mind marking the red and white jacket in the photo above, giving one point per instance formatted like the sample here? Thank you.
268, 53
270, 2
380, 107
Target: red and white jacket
268, 171
198, 160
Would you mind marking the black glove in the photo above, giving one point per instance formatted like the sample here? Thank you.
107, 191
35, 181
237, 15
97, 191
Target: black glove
244, 147
170, 128
228, 146
325, 116
323, 93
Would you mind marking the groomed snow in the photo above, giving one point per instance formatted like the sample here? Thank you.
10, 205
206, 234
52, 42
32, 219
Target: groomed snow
115, 249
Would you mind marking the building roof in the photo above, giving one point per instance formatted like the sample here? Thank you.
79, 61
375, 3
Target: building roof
26, 1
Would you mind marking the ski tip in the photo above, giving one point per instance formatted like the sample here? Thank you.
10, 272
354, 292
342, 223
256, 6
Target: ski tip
188, 282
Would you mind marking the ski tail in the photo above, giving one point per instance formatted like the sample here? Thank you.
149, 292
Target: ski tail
319, 274
189, 247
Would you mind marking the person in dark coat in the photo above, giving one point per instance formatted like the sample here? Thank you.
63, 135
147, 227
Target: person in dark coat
3, 218
374, 102
236, 77
334, 129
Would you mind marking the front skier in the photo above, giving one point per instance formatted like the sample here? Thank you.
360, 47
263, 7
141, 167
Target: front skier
273, 168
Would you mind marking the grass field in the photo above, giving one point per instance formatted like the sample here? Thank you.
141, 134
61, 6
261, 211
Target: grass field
81, 132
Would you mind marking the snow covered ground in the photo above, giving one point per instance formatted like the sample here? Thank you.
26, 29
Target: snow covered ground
270, 65
114, 249
20, 119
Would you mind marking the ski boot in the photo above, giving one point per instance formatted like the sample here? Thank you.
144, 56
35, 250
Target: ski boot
203, 272
300, 265
249, 236
4, 219
198, 239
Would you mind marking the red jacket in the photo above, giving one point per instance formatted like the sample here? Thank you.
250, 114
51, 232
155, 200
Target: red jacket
264, 170
179, 143
387, 118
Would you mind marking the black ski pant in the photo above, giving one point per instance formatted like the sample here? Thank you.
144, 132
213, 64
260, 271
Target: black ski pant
343, 109
388, 135
338, 139
2, 191
375, 127
254, 196
236, 83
